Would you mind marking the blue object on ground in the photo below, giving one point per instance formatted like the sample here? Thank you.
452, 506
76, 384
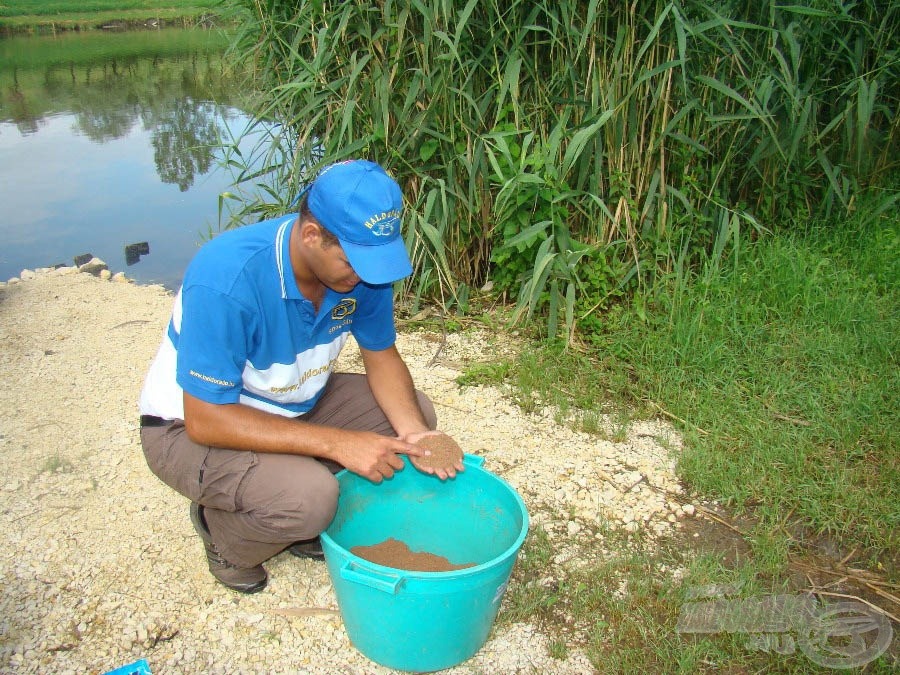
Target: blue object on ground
140, 667
424, 621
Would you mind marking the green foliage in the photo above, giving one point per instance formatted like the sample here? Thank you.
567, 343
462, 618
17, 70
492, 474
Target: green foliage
797, 346
780, 361
530, 137
484, 374
56, 464
604, 282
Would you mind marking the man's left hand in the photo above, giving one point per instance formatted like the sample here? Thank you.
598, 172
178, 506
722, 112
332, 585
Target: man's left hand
442, 465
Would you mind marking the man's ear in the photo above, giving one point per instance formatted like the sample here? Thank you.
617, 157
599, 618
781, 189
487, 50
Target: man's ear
310, 232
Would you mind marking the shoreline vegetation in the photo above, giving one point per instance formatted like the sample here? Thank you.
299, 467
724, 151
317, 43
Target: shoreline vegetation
20, 17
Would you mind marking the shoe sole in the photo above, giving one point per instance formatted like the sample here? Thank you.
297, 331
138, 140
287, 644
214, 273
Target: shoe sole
248, 590
308, 556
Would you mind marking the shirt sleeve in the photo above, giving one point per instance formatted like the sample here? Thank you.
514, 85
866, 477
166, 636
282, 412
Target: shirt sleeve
374, 327
213, 344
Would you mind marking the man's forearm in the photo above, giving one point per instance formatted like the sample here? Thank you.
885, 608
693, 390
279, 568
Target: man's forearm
392, 386
240, 427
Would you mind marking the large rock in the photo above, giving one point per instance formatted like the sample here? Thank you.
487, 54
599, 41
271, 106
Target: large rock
93, 266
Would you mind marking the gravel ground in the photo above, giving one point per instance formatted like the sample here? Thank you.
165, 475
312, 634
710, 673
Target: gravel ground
101, 566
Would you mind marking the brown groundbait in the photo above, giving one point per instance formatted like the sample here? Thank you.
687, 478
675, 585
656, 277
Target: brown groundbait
395, 553
445, 452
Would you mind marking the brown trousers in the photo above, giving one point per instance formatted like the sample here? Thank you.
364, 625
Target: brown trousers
257, 504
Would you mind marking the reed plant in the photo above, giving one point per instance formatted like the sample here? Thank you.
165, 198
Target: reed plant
569, 151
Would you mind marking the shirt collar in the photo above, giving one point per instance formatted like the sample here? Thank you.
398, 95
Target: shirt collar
289, 289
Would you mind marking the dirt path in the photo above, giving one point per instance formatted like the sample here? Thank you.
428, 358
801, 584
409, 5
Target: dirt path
101, 566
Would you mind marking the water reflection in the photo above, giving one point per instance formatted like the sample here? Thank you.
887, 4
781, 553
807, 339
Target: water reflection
183, 139
82, 118
120, 81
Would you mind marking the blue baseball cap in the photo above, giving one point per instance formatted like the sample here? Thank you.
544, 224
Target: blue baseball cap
361, 205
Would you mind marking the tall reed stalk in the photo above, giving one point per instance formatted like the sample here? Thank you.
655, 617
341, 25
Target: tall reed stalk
568, 150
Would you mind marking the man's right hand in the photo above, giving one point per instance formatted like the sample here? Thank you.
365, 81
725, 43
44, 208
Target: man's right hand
240, 427
372, 455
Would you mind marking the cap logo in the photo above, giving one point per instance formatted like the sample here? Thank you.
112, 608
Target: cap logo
383, 224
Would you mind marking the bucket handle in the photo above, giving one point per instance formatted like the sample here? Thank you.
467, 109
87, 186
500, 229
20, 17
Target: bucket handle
389, 583
473, 460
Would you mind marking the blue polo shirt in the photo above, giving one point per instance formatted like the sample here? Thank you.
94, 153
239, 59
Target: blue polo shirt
241, 332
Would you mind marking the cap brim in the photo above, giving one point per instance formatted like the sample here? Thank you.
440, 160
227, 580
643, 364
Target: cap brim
378, 265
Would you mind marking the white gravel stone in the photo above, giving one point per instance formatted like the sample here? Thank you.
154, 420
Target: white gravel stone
101, 565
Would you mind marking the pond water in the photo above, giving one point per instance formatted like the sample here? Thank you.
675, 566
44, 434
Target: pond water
108, 140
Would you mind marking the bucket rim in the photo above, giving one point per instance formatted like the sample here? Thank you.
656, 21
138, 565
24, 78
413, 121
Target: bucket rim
472, 463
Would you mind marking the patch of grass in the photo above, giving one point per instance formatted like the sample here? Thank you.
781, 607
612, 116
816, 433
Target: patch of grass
19, 15
781, 368
558, 649
789, 362
528, 596
549, 374
57, 464
57, 7
623, 608
485, 374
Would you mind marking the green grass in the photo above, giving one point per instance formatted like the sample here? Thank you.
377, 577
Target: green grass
789, 362
90, 48
780, 367
56, 464
623, 609
51, 8
19, 15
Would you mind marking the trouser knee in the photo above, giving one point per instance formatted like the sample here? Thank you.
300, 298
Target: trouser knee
291, 506
427, 410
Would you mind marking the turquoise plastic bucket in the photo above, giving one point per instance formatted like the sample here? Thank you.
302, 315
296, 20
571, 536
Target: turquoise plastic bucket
424, 621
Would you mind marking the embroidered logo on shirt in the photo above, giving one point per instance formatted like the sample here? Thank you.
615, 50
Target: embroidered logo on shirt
343, 309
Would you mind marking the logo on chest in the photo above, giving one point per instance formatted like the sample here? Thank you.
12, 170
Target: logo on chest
343, 309
341, 314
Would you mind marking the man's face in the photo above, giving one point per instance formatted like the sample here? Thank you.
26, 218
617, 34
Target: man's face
333, 268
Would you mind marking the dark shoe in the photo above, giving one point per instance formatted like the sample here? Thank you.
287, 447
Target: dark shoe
241, 579
310, 548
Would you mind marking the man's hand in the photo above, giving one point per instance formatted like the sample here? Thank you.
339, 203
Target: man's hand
240, 427
372, 455
445, 464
